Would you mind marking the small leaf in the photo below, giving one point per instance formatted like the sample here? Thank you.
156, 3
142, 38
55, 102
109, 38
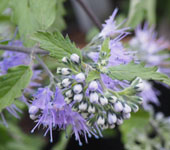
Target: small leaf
56, 44
138, 120
12, 83
132, 70
92, 76
105, 47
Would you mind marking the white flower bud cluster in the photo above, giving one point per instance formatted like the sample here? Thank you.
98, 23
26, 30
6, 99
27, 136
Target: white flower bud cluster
73, 84
121, 111
105, 109
93, 94
74, 58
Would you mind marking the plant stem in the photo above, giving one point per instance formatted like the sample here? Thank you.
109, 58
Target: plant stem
23, 49
90, 14
52, 77
103, 85
44, 66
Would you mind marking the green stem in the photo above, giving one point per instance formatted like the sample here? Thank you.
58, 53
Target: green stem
126, 91
103, 85
113, 92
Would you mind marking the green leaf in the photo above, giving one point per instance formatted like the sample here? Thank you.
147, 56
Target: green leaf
56, 44
23, 17
138, 120
105, 48
13, 83
13, 138
92, 75
44, 12
34, 15
131, 71
59, 22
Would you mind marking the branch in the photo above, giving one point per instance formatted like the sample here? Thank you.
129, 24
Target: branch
23, 49
45, 67
90, 14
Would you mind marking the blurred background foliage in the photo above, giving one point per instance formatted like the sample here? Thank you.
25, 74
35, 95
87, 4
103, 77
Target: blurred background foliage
66, 16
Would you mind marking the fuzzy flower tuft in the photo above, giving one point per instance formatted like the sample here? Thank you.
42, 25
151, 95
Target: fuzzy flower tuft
50, 110
110, 28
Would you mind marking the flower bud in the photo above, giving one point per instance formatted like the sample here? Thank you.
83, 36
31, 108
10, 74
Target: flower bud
140, 100
103, 54
94, 97
135, 108
138, 84
68, 100
58, 70
80, 77
33, 109
119, 121
77, 88
104, 62
103, 100
33, 117
112, 118
65, 60
75, 58
112, 126
69, 93
139, 87
78, 97
65, 71
93, 86
136, 81
66, 82
118, 106
127, 109
126, 115
91, 109
60, 85
83, 106
100, 120
112, 99
105, 126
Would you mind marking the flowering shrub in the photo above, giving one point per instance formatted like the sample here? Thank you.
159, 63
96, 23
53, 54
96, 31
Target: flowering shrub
91, 89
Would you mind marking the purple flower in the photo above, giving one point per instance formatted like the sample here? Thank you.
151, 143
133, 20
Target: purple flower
11, 59
52, 112
149, 94
148, 47
13, 110
110, 28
